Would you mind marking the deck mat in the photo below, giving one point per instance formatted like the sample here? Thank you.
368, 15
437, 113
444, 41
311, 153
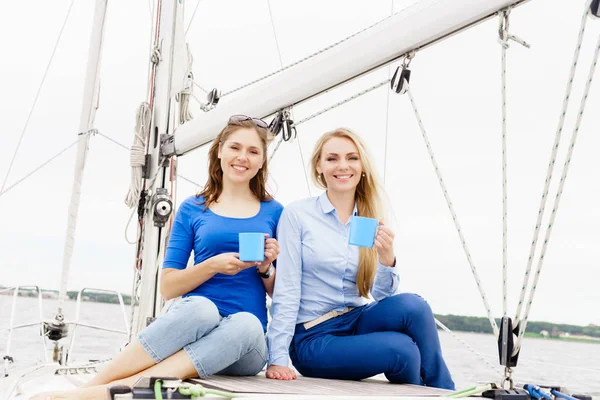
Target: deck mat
315, 386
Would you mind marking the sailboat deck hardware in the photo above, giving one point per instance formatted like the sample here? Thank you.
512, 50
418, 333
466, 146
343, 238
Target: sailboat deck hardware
162, 205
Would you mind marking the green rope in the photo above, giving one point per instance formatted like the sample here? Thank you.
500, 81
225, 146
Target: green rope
157, 390
194, 391
469, 391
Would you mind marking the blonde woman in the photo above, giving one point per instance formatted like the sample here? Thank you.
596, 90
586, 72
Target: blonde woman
320, 309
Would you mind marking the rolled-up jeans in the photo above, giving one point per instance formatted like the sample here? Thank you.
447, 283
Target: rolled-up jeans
232, 345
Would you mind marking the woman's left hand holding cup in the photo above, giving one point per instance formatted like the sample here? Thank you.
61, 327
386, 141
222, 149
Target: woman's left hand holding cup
271, 253
384, 243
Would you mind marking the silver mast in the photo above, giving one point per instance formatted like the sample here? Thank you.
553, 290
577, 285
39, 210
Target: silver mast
157, 170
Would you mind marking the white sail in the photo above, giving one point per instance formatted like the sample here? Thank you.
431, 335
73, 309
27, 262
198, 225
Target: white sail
413, 28
86, 124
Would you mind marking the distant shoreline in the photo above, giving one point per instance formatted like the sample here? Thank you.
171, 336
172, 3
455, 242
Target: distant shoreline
459, 323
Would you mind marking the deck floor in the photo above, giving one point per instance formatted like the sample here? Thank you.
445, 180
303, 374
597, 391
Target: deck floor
314, 386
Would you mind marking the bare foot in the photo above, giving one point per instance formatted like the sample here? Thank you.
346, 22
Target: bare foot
92, 393
52, 396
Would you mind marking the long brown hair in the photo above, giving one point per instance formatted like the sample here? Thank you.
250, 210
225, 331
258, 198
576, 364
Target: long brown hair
214, 185
367, 200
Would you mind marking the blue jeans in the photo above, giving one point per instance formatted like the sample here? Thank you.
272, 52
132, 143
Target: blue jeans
396, 336
234, 345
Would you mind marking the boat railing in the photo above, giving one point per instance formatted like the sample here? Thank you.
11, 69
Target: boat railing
11, 327
8, 359
77, 321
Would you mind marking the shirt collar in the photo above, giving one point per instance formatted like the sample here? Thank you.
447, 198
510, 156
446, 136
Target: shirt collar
327, 207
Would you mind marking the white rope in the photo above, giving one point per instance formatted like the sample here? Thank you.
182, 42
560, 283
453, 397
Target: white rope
387, 116
38, 168
551, 166
478, 354
306, 58
183, 97
138, 155
503, 38
275, 149
127, 148
201, 88
561, 185
340, 103
37, 95
297, 139
82, 148
304, 167
150, 6
504, 46
453, 213
192, 18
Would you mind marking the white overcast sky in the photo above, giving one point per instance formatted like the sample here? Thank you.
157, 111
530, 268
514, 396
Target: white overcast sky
456, 84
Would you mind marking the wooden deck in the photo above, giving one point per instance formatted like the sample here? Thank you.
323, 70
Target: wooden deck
316, 387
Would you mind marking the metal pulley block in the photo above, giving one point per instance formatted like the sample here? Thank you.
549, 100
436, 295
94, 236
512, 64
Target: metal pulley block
213, 97
595, 9
400, 80
284, 124
162, 207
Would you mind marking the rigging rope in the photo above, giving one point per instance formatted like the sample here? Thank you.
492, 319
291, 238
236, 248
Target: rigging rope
291, 110
307, 57
453, 213
387, 117
503, 31
478, 354
503, 38
565, 171
340, 103
37, 95
553, 154
192, 18
38, 168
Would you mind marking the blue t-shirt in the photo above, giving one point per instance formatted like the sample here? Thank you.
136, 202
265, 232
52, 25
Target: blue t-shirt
210, 234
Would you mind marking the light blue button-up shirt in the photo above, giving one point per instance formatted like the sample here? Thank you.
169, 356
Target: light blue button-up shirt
316, 271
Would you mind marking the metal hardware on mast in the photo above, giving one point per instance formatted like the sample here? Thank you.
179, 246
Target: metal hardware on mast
154, 235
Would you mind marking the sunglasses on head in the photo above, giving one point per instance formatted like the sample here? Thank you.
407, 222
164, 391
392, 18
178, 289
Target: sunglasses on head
241, 118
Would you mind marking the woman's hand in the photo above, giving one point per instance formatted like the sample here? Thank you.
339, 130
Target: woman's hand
271, 253
384, 243
280, 372
230, 264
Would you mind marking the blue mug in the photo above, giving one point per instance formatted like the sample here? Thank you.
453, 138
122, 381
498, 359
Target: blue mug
363, 231
252, 246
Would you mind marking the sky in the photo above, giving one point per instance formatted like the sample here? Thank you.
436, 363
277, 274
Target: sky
456, 84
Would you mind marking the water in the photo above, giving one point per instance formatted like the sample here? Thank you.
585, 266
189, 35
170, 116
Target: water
569, 364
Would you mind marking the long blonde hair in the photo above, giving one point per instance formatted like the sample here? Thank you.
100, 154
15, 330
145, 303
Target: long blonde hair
214, 185
368, 201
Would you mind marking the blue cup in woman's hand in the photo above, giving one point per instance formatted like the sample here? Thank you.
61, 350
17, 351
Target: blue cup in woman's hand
362, 231
252, 246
